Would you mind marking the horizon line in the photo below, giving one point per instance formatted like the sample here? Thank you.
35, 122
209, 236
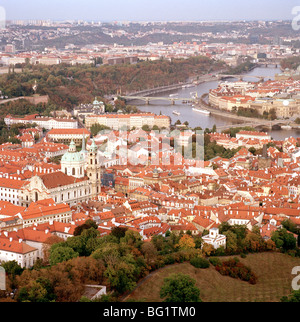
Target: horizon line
139, 21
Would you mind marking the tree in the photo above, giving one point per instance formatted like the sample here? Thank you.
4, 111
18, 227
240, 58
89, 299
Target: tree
60, 254
293, 298
186, 242
199, 262
132, 238
119, 232
96, 128
87, 225
47, 246
146, 128
12, 268
283, 239
179, 288
121, 276
150, 252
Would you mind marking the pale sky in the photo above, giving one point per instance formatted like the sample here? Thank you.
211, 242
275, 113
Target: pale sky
149, 10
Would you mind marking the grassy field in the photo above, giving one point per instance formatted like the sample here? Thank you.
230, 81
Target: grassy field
272, 269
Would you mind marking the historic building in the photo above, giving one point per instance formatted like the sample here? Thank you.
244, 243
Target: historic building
128, 121
93, 170
78, 181
83, 110
66, 136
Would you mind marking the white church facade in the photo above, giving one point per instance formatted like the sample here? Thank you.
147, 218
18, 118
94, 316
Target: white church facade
78, 181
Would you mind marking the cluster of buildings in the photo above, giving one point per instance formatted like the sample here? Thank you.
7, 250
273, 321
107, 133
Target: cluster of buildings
247, 139
230, 53
127, 43
151, 193
281, 96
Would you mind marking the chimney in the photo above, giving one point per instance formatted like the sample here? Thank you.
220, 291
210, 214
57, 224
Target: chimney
10, 239
20, 240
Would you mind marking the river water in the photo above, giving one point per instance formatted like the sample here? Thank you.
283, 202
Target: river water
197, 119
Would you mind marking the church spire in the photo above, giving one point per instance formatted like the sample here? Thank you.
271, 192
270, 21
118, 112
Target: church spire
93, 147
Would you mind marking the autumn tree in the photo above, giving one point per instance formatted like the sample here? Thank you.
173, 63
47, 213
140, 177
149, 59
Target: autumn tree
186, 242
150, 252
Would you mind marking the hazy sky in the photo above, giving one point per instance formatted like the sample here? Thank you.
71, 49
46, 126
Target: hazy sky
145, 10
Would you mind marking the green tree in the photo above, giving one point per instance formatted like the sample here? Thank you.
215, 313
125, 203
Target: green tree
12, 268
96, 128
119, 232
60, 254
293, 298
87, 225
121, 276
180, 288
283, 239
132, 238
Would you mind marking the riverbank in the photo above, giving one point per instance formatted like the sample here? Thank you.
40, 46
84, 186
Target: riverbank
163, 89
214, 111
196, 119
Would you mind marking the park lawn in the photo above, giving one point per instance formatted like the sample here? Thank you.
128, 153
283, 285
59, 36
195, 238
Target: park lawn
272, 269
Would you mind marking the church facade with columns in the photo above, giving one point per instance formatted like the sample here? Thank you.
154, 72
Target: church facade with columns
79, 179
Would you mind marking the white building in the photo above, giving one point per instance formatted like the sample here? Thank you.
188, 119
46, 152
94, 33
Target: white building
11, 190
253, 135
45, 122
23, 254
214, 238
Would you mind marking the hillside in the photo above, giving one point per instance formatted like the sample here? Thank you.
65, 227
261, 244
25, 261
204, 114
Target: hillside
272, 269
71, 85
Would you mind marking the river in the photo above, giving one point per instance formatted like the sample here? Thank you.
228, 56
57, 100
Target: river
197, 119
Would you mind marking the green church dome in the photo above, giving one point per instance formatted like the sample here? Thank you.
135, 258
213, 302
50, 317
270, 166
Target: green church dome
72, 155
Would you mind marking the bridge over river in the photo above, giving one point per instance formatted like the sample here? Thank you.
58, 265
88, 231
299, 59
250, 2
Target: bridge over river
171, 99
255, 124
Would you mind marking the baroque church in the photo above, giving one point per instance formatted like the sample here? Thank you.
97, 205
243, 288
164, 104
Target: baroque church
79, 179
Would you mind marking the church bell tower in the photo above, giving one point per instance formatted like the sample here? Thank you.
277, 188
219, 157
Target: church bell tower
94, 170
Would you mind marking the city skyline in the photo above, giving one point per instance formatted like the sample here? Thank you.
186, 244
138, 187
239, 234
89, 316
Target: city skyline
146, 10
